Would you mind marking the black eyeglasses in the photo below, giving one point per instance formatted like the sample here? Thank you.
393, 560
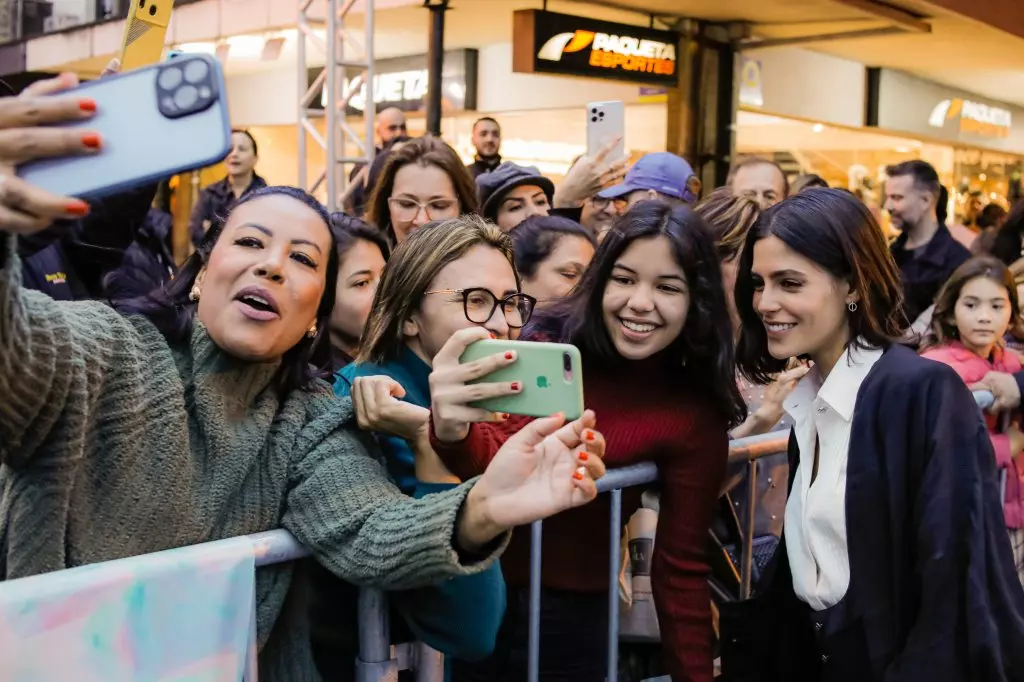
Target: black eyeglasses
479, 305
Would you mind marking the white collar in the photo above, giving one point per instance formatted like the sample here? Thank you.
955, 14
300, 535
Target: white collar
839, 390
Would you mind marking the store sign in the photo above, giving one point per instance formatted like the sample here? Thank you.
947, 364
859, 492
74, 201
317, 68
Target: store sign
402, 83
902, 103
972, 117
547, 42
751, 84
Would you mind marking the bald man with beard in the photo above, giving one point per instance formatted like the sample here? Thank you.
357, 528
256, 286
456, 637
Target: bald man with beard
391, 126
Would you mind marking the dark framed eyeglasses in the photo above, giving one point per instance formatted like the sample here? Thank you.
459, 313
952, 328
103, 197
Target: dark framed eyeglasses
479, 305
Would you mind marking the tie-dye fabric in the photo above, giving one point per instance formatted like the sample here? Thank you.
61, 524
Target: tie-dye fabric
183, 614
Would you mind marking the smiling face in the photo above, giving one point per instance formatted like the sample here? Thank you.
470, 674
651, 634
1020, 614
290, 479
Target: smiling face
486, 138
242, 158
520, 204
441, 315
907, 203
420, 185
982, 314
803, 307
646, 299
262, 285
557, 274
359, 272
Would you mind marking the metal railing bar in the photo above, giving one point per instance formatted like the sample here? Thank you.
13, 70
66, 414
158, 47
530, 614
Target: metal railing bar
533, 644
613, 587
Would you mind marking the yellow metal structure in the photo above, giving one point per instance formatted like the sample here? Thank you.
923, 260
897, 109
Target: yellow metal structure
144, 33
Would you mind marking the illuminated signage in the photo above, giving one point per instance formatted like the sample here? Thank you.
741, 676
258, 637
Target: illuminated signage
972, 117
904, 103
547, 42
402, 83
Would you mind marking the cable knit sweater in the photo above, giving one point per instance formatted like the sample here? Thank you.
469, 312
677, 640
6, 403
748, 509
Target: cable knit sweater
115, 443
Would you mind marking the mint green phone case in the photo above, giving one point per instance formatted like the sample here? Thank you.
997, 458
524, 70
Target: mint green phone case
551, 374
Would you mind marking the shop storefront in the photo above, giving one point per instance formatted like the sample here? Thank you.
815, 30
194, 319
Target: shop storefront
838, 119
985, 138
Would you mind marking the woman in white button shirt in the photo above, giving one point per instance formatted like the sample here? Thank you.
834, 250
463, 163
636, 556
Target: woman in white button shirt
894, 564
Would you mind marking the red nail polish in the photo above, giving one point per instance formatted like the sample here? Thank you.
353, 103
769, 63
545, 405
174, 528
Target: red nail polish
578, 476
87, 105
91, 140
509, 355
590, 436
77, 208
506, 416
516, 386
582, 456
493, 336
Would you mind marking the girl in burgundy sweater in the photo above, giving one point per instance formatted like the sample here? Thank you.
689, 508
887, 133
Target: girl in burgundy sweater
651, 321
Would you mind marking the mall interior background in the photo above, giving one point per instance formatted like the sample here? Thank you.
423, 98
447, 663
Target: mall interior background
807, 109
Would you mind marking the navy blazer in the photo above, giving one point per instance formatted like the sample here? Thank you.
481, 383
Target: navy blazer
932, 582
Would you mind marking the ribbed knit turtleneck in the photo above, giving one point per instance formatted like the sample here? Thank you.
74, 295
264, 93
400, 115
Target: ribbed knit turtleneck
115, 443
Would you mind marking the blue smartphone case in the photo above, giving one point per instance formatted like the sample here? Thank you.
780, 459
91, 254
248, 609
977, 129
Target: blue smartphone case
155, 122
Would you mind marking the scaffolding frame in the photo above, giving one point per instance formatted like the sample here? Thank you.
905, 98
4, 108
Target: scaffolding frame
343, 53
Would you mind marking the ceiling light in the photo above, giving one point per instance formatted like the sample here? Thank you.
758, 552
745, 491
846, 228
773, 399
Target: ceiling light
817, 127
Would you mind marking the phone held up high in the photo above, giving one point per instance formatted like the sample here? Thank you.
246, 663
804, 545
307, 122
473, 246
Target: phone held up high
551, 375
154, 122
606, 122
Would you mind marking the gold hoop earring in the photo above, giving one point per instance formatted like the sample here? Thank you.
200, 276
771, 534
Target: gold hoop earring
194, 294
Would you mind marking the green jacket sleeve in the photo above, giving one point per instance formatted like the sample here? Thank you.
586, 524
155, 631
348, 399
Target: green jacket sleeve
342, 506
459, 617
54, 358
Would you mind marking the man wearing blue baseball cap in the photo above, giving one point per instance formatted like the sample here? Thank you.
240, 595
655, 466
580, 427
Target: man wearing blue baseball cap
660, 175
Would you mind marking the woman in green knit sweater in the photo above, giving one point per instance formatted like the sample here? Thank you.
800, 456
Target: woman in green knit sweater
192, 413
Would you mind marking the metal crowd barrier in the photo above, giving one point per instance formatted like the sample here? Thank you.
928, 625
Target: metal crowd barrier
379, 660
749, 450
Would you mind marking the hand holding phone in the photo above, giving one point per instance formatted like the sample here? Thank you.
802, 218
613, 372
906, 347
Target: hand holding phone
25, 137
549, 376
606, 125
148, 124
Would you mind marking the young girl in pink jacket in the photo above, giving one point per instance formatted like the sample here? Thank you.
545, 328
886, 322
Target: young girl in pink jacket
973, 312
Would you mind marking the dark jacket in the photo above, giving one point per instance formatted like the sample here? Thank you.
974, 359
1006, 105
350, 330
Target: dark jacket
69, 260
925, 269
215, 202
481, 166
933, 590
148, 263
1008, 246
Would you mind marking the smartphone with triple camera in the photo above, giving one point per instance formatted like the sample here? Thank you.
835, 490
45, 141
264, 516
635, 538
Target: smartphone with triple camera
551, 374
606, 122
154, 122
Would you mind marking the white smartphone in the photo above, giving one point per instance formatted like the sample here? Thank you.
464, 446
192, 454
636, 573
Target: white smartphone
155, 122
606, 121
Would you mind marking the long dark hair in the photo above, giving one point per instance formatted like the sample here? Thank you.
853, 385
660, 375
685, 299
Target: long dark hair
836, 232
173, 313
536, 237
348, 231
704, 348
943, 327
422, 151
